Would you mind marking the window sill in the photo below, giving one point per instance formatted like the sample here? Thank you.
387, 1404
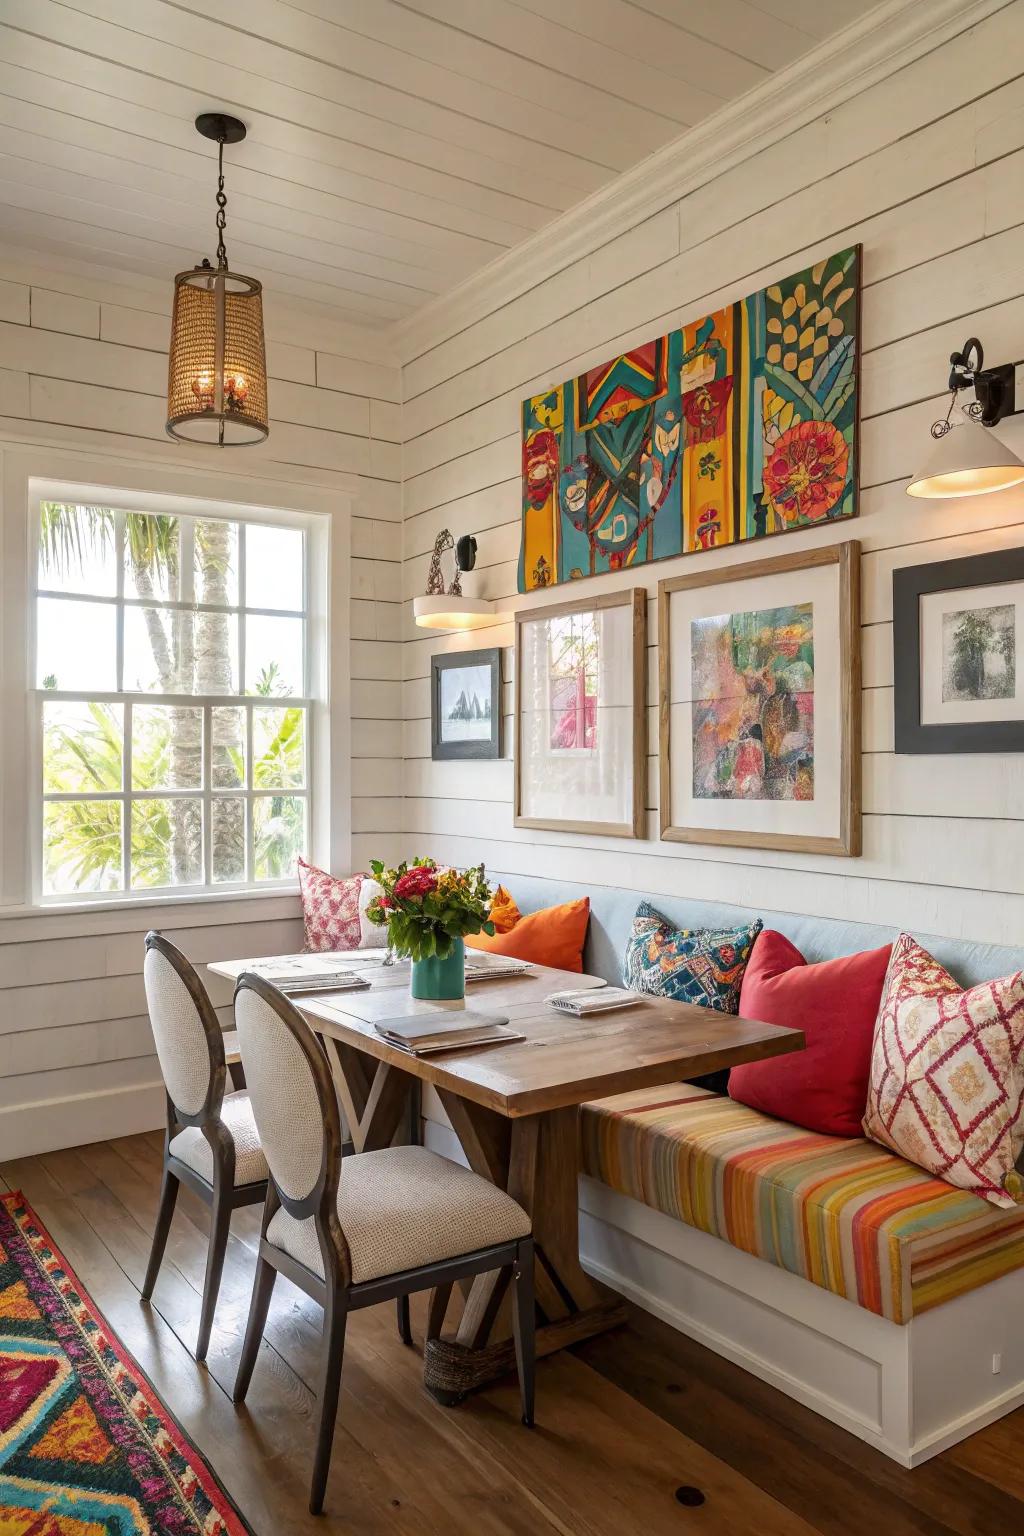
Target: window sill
64, 919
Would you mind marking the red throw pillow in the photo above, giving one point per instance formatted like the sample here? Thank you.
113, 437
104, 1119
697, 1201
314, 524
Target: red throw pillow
835, 1002
554, 936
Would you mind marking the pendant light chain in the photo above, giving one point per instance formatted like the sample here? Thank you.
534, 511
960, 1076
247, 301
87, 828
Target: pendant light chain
222, 218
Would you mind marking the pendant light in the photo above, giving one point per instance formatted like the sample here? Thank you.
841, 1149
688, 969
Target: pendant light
968, 459
217, 370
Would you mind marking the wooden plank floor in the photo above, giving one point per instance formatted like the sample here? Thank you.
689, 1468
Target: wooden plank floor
622, 1423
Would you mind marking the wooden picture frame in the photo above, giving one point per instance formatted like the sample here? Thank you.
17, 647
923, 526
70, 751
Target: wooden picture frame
633, 600
912, 585
846, 839
475, 748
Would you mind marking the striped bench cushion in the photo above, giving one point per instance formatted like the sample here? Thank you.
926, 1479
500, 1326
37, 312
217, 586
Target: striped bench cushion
846, 1214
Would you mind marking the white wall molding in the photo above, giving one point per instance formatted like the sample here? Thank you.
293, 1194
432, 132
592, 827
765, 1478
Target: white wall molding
48, 1124
873, 48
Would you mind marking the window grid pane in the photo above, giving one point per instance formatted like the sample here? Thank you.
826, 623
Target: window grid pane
225, 808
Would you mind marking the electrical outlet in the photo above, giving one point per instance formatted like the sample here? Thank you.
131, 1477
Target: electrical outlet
997, 1364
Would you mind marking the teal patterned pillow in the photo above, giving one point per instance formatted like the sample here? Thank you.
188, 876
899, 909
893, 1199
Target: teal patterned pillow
691, 965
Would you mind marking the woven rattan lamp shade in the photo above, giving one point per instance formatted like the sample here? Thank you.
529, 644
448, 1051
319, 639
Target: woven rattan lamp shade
217, 371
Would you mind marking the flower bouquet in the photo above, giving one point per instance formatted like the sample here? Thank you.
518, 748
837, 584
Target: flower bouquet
428, 912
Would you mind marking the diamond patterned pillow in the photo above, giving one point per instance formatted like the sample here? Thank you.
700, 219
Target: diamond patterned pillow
947, 1076
692, 965
330, 908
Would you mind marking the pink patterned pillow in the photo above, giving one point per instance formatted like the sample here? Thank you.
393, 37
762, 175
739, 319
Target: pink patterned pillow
947, 1076
330, 908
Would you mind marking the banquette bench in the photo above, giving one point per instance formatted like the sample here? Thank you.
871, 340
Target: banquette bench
860, 1285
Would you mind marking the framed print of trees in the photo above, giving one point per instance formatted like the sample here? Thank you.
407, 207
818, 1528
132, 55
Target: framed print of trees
958, 638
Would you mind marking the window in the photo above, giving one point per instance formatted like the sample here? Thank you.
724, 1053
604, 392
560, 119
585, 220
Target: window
173, 708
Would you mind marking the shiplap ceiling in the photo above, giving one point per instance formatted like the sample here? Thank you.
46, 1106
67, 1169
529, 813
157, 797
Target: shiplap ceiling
394, 145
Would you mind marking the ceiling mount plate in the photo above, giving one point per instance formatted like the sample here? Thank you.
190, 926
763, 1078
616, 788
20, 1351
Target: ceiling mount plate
221, 128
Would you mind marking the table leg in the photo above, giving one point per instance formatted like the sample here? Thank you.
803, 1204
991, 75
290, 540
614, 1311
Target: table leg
374, 1096
537, 1160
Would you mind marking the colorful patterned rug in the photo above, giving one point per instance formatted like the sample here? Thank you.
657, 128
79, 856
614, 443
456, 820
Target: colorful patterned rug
86, 1446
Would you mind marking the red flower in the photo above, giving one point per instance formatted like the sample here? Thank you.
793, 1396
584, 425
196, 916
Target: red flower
704, 408
419, 881
540, 465
806, 473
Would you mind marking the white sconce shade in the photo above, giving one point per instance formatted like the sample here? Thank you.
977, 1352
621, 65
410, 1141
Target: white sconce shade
969, 460
448, 612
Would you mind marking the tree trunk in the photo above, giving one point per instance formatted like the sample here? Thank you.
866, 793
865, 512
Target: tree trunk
214, 550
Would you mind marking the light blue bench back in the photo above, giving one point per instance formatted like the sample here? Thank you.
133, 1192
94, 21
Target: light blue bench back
817, 938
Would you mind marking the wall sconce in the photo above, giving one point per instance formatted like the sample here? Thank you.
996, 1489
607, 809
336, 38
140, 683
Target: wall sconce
968, 459
439, 609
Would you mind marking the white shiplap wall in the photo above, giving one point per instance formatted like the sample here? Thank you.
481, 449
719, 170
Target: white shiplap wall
926, 168
83, 364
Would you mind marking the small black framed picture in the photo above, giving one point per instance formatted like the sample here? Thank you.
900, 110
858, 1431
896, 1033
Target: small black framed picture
465, 705
958, 647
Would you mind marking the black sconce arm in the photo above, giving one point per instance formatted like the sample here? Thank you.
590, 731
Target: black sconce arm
995, 388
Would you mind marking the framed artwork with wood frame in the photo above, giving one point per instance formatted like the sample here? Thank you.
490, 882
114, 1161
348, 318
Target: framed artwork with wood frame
958, 642
580, 715
465, 705
760, 702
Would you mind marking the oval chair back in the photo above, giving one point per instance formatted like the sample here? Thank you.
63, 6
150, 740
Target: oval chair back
295, 1106
189, 1043
190, 1048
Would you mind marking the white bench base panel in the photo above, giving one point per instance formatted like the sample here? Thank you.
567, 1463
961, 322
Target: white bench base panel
910, 1391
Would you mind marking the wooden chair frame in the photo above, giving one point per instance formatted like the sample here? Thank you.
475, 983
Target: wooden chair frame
336, 1293
222, 1196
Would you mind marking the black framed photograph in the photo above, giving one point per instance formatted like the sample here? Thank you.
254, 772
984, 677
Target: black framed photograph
958, 646
465, 705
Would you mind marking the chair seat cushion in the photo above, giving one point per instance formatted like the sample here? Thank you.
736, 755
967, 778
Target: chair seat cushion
844, 1213
193, 1149
403, 1207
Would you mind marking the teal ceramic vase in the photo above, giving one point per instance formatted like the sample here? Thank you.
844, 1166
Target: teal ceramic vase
441, 981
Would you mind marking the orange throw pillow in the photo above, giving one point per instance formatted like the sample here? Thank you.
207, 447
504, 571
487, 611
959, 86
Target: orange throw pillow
504, 912
553, 936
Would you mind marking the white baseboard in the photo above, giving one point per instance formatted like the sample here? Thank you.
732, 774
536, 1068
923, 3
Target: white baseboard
49, 1124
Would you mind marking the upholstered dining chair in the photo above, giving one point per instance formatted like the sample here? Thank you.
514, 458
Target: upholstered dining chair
366, 1228
211, 1144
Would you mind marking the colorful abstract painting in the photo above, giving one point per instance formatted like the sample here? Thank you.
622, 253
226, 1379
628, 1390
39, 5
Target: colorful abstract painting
753, 705
739, 425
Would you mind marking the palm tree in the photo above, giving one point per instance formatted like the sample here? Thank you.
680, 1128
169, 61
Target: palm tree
192, 654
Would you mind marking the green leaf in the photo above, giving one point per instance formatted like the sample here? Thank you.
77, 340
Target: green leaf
835, 367
791, 389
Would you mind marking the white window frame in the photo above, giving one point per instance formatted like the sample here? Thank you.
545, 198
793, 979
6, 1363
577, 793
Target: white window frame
32, 476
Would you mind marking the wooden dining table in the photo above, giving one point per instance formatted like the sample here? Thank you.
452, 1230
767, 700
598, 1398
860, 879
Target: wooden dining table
515, 1110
